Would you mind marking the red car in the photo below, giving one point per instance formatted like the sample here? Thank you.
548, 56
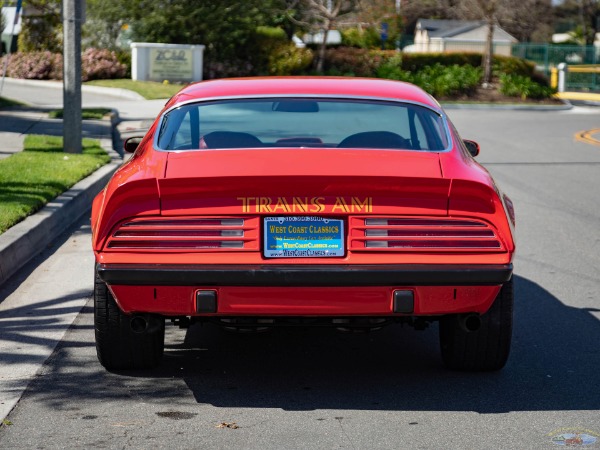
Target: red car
343, 201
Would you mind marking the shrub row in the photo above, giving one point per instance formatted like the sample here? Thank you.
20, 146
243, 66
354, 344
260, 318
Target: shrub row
441, 74
439, 80
351, 61
448, 81
95, 64
34, 65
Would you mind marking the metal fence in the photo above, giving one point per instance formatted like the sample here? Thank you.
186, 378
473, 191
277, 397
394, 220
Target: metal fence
548, 56
583, 77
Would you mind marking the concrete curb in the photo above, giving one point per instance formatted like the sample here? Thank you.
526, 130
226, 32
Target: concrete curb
509, 107
19, 244
113, 92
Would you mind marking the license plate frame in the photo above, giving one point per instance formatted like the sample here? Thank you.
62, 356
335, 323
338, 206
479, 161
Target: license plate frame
303, 237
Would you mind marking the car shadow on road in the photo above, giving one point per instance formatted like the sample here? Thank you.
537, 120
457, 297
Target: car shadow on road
553, 366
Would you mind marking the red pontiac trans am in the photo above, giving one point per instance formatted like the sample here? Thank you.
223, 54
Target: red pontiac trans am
270, 201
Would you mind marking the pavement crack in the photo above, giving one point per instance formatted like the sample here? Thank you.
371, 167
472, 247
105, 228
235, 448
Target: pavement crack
339, 421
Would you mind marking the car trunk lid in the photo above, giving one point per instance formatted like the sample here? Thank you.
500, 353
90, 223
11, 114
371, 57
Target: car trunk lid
303, 181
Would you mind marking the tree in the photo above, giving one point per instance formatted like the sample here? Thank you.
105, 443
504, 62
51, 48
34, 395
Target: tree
585, 13
226, 27
41, 28
487, 11
320, 15
412, 11
104, 23
528, 20
371, 14
521, 17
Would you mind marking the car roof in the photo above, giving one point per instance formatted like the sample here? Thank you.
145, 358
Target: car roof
306, 86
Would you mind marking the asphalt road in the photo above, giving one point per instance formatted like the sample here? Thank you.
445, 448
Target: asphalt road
322, 389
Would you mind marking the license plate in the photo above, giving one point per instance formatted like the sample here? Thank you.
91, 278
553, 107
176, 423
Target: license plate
303, 237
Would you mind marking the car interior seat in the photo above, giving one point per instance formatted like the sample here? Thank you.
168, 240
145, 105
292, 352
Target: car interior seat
375, 139
231, 139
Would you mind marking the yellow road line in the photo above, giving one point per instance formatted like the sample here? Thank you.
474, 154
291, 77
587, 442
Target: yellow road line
586, 136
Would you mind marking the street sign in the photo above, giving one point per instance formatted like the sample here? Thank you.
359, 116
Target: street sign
384, 34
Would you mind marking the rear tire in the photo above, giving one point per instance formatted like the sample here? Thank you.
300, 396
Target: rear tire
486, 349
117, 345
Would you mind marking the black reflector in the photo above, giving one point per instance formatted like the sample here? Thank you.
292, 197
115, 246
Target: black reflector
404, 302
206, 302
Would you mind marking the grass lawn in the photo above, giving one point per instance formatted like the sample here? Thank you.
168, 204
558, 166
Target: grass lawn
150, 90
30, 179
86, 113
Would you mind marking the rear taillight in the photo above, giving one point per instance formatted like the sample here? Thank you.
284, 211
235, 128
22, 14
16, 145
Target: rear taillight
186, 234
422, 234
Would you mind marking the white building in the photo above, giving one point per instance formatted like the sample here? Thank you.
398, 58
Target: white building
9, 18
445, 36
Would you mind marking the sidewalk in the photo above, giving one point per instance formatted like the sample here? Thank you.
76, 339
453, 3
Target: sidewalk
17, 122
134, 113
132, 117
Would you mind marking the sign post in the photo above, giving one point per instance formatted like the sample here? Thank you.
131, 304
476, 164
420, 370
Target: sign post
384, 34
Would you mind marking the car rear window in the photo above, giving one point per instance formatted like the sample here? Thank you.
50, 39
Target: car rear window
302, 122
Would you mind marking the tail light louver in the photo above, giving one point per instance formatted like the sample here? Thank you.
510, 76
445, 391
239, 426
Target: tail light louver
186, 234
422, 234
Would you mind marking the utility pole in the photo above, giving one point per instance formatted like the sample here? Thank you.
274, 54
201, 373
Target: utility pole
72, 18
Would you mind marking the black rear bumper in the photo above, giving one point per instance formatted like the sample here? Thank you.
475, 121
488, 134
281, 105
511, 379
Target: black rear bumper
305, 275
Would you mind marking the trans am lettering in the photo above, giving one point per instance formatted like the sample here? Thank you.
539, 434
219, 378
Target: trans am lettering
306, 204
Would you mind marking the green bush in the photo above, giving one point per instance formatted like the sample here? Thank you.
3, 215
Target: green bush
271, 33
267, 41
414, 62
361, 38
351, 61
513, 66
124, 58
391, 68
524, 87
41, 32
437, 79
289, 60
447, 81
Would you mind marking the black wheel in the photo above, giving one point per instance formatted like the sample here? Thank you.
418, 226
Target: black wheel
486, 348
124, 341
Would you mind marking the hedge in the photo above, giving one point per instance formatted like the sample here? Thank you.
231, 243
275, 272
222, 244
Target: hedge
95, 64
